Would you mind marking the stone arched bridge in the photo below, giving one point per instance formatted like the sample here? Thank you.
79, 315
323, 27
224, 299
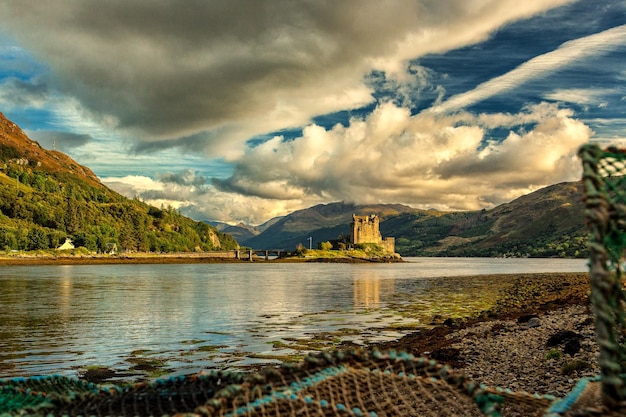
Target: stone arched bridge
249, 254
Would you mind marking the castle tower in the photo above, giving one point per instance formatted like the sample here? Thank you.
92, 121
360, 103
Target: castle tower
366, 229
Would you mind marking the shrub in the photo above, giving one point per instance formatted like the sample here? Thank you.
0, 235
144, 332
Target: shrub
370, 248
554, 354
325, 246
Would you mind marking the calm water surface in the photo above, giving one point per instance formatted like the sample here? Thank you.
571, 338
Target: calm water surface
63, 319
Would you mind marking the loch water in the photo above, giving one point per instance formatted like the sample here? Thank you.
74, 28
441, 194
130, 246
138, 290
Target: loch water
64, 319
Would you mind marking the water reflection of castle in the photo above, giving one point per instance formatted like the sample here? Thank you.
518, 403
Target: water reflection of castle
369, 288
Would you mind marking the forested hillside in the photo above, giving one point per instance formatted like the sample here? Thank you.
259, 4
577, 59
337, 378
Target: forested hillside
46, 197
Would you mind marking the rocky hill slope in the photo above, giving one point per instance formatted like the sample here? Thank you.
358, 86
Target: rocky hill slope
548, 222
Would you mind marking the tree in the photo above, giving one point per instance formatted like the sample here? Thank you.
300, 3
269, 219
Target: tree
300, 250
85, 240
7, 239
72, 221
36, 239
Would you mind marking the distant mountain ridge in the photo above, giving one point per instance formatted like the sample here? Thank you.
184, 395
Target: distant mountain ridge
46, 197
242, 231
547, 222
321, 222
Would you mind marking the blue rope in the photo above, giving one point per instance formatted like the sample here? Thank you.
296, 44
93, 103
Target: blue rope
561, 406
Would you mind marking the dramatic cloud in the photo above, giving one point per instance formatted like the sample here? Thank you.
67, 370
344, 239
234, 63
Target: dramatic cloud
426, 161
445, 162
188, 193
186, 177
15, 92
219, 72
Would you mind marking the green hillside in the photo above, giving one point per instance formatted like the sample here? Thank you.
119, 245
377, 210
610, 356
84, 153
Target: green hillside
546, 223
46, 197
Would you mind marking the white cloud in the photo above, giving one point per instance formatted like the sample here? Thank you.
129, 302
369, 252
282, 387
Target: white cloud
132, 183
203, 202
580, 96
424, 160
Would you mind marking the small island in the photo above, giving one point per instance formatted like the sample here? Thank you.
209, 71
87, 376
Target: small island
364, 244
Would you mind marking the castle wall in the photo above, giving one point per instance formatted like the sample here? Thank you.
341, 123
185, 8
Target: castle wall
389, 244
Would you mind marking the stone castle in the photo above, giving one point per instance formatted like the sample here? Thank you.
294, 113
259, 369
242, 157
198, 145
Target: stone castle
365, 229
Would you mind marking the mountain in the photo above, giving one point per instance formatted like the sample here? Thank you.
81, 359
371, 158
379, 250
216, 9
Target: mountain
547, 222
322, 222
239, 231
46, 197
16, 150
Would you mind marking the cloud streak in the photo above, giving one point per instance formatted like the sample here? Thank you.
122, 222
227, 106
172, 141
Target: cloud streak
566, 54
581, 96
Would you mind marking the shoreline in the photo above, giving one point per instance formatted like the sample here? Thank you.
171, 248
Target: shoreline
113, 260
532, 294
510, 345
178, 258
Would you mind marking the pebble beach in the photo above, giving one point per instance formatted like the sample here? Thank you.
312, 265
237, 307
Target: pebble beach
539, 338
545, 354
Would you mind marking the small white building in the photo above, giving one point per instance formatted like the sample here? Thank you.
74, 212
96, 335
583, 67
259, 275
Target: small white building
111, 249
67, 245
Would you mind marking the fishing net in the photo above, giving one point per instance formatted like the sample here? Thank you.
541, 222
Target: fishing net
604, 180
351, 383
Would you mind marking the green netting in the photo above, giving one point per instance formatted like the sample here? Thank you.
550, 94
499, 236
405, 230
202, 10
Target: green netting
604, 180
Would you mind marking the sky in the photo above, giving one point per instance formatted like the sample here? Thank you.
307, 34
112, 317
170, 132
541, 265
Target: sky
244, 110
